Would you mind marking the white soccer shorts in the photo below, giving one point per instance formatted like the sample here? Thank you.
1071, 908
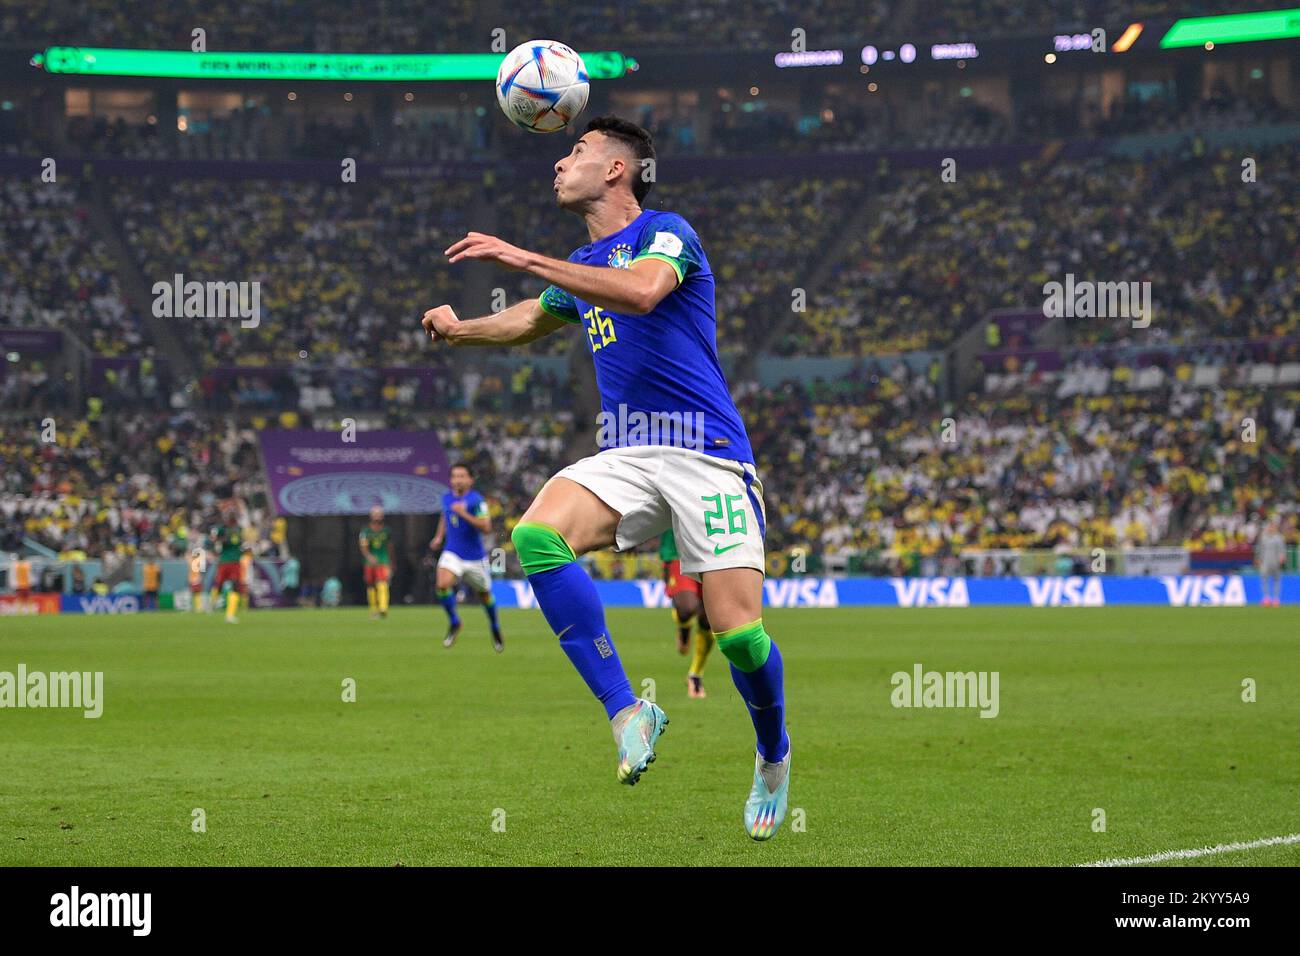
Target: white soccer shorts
476, 572
713, 505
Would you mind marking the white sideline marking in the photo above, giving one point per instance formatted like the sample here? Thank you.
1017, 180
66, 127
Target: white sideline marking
1203, 851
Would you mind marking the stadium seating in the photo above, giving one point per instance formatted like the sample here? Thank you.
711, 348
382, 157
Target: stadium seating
405, 25
345, 270
1025, 469
1028, 468
935, 257
127, 482
55, 272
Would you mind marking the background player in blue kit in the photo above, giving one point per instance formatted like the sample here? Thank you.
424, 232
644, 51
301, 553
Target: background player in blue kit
463, 522
642, 292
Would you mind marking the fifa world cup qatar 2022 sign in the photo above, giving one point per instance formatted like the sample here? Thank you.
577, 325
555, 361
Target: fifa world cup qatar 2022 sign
325, 473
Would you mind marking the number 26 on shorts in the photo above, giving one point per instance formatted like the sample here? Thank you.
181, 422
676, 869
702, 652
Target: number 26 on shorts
736, 523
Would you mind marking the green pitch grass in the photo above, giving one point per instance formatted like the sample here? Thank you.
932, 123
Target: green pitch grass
1137, 712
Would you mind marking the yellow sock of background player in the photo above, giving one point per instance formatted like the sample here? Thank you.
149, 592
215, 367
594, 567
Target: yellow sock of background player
703, 644
695, 676
232, 604
372, 599
381, 592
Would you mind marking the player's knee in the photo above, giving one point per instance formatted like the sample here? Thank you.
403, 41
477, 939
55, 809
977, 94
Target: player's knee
746, 646
686, 604
540, 547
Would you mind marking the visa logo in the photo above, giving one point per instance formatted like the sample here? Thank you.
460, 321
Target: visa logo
931, 592
1065, 592
801, 592
1205, 590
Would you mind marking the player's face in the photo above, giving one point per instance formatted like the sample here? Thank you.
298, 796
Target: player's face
583, 175
460, 480
376, 516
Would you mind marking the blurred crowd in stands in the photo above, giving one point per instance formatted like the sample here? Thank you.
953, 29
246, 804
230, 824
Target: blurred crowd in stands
884, 469
930, 258
462, 25
900, 261
342, 270
55, 272
154, 482
869, 465
1119, 448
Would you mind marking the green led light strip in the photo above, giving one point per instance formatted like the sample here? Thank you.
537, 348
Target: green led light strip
1234, 28
390, 67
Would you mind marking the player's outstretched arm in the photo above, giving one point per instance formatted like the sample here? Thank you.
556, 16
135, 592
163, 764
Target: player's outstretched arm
633, 291
520, 324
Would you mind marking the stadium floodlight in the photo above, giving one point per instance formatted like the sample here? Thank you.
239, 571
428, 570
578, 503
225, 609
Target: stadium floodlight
381, 67
1234, 28
1127, 38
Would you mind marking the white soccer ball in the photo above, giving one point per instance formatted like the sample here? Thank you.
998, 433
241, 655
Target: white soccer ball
542, 85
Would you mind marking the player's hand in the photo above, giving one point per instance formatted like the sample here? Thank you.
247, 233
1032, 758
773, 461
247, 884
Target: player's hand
479, 245
460, 509
439, 322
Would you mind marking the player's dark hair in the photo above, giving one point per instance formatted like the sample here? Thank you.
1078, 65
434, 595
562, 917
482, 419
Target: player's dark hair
460, 464
638, 143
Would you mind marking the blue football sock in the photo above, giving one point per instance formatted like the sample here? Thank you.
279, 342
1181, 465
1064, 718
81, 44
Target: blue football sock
764, 696
572, 608
491, 607
448, 601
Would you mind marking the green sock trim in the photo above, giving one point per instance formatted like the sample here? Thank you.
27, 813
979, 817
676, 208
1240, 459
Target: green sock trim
441, 593
746, 646
540, 547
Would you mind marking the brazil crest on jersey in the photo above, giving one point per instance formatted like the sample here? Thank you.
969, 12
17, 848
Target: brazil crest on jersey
664, 363
462, 538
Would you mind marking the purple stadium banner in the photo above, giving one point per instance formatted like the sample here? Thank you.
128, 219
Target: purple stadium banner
321, 473
31, 340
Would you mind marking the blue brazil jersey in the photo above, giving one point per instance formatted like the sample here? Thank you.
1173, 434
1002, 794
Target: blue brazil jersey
463, 539
664, 363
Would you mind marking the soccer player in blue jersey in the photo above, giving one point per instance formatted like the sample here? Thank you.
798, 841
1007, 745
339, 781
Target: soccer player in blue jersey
674, 452
463, 521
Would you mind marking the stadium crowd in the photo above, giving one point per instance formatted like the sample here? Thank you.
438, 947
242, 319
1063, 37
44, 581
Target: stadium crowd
897, 477
919, 262
54, 270
933, 257
408, 26
126, 484
335, 263
459, 25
